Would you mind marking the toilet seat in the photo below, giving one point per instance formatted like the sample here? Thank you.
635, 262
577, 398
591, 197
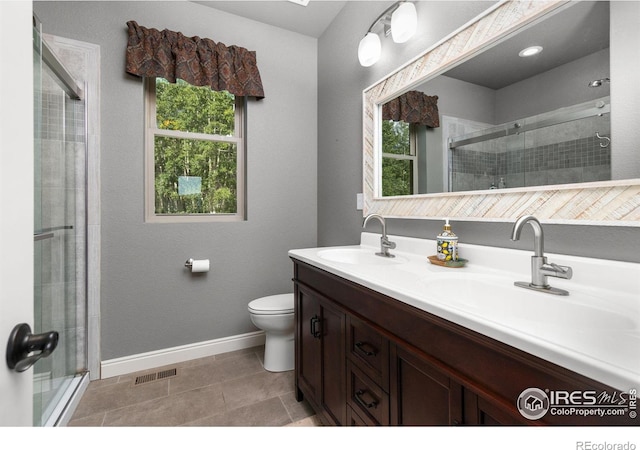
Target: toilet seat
273, 304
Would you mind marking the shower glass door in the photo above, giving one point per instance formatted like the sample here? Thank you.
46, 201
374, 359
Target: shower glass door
59, 236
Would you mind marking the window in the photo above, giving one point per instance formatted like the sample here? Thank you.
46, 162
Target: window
399, 160
195, 156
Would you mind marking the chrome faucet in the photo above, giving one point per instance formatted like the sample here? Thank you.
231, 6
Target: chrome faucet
540, 269
385, 243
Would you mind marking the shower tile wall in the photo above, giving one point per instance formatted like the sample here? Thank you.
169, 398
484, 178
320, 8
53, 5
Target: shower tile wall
534, 158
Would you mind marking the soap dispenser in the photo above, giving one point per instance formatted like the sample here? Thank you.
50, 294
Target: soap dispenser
447, 244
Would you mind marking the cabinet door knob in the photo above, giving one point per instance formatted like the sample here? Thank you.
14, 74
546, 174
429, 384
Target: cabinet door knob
361, 346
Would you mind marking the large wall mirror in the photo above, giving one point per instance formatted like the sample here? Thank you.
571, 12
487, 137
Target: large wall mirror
475, 129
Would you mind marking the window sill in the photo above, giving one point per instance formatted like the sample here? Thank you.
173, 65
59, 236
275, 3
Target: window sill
194, 218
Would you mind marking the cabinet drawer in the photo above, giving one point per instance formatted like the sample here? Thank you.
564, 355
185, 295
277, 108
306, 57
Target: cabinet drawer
369, 351
354, 420
366, 398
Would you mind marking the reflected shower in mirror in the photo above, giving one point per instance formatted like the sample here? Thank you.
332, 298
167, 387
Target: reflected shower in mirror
533, 110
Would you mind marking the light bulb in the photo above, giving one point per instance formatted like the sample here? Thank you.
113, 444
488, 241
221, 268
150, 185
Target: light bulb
404, 22
369, 49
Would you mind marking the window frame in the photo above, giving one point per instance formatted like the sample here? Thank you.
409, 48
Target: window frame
151, 131
411, 156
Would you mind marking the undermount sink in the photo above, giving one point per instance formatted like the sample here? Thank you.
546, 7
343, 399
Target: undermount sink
358, 256
497, 299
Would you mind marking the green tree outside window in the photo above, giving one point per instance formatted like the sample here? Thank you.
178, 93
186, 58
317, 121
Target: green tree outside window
397, 174
181, 107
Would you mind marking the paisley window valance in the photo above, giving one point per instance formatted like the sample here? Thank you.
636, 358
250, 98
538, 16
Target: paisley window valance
198, 61
413, 107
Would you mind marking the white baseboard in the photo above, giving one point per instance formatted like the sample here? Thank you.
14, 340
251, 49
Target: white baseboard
144, 361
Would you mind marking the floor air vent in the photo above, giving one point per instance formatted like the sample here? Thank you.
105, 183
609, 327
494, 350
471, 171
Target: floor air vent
147, 378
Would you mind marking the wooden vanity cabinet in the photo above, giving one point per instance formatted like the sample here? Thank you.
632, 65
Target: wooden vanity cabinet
363, 358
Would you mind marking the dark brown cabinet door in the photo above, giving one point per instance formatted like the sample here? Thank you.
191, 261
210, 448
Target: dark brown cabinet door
421, 394
308, 345
333, 364
320, 355
479, 410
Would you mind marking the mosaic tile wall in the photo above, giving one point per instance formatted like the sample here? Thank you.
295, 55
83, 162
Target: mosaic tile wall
62, 118
574, 161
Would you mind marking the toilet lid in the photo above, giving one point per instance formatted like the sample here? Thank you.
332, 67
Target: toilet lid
274, 304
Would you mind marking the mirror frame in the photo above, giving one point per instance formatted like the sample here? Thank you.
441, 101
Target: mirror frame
598, 203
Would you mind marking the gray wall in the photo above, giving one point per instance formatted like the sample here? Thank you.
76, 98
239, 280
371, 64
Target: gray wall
149, 300
462, 99
556, 88
341, 81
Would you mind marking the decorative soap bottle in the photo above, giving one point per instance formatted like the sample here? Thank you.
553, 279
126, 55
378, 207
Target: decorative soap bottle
447, 244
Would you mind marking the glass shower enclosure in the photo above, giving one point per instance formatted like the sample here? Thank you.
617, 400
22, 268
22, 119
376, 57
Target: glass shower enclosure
568, 145
59, 231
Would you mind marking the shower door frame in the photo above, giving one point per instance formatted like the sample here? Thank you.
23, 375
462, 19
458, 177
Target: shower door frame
83, 60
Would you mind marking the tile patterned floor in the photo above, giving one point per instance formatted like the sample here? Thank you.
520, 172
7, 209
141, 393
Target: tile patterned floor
231, 389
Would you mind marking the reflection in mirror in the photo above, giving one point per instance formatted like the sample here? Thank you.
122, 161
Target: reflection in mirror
405, 120
504, 120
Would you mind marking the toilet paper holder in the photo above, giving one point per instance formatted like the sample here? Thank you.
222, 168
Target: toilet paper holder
197, 265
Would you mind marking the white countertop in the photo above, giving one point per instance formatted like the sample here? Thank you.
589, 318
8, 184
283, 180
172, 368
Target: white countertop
595, 331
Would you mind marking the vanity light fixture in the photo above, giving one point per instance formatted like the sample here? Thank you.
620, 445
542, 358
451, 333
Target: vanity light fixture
530, 51
400, 20
404, 22
369, 49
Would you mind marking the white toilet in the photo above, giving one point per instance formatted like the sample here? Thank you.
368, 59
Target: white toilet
274, 315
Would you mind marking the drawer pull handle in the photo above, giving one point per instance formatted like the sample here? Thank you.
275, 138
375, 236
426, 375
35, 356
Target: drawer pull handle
315, 332
363, 402
360, 346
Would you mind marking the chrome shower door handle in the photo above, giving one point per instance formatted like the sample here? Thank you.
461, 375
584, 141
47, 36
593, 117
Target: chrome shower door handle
25, 348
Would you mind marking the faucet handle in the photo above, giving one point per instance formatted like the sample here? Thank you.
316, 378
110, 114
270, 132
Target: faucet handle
385, 242
556, 270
